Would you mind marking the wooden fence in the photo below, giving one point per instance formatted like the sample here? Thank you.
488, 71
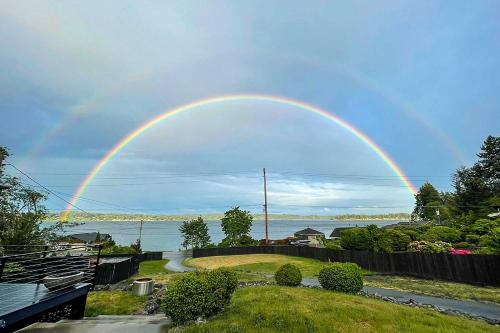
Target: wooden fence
113, 272
472, 269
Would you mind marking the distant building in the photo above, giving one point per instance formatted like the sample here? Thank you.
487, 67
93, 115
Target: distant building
314, 237
88, 238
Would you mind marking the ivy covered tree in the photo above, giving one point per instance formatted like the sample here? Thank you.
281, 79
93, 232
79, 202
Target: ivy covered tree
195, 233
21, 211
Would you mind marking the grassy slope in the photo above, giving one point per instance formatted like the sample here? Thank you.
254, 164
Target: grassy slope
113, 302
258, 263
118, 302
284, 309
436, 288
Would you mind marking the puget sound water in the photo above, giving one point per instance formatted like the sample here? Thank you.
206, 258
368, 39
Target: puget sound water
165, 235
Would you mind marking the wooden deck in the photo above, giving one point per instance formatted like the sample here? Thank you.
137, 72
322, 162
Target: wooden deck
24, 303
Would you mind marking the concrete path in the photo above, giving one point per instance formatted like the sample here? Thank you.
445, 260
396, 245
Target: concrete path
490, 311
105, 324
176, 258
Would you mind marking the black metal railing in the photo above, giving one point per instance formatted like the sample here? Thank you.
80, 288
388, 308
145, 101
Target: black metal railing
55, 267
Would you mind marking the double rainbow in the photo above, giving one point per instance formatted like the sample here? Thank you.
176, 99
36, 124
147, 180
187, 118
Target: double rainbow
214, 100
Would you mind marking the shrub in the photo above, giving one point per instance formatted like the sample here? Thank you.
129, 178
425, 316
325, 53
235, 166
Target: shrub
333, 245
461, 245
345, 277
472, 239
355, 239
483, 226
399, 241
224, 281
199, 294
288, 275
370, 238
440, 233
429, 247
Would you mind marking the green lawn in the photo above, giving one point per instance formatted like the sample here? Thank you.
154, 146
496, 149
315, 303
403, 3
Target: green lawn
118, 302
113, 302
435, 288
258, 263
285, 309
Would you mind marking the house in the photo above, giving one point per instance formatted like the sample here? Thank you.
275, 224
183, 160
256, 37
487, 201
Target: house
88, 238
315, 237
494, 215
337, 231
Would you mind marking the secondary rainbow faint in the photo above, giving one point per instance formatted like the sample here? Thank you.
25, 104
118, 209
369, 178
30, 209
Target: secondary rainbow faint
223, 99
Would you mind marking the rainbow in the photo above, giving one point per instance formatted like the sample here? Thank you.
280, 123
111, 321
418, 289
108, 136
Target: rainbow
228, 98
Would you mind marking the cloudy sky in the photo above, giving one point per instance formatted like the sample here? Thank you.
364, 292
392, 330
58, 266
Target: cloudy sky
420, 78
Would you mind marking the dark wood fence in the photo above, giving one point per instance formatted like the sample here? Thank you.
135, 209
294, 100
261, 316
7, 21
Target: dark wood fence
472, 269
113, 272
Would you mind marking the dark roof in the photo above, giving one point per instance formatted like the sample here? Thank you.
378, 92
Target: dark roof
309, 231
336, 232
88, 237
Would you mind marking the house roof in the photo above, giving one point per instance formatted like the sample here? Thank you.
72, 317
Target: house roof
309, 232
88, 237
336, 232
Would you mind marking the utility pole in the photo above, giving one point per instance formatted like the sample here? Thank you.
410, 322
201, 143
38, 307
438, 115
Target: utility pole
140, 233
438, 217
265, 205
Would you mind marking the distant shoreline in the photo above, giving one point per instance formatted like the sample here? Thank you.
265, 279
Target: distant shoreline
78, 217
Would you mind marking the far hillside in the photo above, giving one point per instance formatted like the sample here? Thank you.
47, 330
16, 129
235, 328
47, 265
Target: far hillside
83, 217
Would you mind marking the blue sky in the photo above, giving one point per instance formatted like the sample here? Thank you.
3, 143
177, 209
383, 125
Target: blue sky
421, 78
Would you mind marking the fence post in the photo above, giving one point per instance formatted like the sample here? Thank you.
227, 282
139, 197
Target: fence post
99, 247
2, 265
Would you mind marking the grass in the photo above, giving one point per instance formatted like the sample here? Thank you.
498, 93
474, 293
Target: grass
435, 288
258, 263
287, 309
113, 302
118, 302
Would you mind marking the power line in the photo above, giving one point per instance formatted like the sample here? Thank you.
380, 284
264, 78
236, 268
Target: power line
47, 189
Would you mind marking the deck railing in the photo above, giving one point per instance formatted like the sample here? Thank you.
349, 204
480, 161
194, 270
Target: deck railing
49, 265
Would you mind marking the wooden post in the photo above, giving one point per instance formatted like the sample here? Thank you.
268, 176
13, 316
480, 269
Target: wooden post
265, 206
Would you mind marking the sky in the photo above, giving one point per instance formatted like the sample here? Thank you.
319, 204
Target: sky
419, 78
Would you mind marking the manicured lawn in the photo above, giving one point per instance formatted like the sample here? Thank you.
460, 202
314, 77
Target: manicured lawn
435, 288
113, 302
155, 269
258, 263
286, 309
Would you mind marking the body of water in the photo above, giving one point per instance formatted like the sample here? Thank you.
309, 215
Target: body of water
165, 236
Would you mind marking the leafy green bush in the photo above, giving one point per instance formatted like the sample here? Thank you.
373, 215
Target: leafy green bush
355, 239
429, 247
199, 294
399, 240
333, 244
345, 277
461, 245
491, 241
472, 239
483, 226
441, 233
370, 238
224, 281
288, 275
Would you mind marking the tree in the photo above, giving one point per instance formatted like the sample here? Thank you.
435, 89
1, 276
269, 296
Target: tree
21, 211
477, 188
488, 166
195, 233
426, 200
236, 224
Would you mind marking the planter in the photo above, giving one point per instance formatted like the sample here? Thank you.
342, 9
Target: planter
142, 287
55, 281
